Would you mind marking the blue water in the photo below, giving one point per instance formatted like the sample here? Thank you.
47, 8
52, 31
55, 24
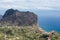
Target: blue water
49, 23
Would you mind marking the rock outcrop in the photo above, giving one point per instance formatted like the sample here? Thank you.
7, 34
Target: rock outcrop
21, 18
0, 16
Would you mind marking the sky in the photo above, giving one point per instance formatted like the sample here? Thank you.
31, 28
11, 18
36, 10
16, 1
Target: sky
31, 4
45, 5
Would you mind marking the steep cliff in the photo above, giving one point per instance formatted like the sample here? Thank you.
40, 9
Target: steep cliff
21, 18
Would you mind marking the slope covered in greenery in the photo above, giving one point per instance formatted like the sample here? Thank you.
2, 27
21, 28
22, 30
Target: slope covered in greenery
24, 33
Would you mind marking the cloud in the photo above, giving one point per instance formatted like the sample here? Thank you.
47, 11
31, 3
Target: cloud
30, 4
6, 0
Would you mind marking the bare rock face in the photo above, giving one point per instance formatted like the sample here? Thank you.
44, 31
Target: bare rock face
16, 17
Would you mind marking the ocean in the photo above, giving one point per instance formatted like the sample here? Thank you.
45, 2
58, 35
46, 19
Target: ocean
49, 23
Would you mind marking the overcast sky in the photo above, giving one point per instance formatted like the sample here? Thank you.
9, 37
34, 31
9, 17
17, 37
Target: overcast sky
52, 5
31, 4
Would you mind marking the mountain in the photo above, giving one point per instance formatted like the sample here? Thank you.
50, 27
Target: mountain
17, 17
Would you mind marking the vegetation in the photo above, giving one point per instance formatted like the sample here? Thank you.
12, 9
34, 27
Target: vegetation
24, 33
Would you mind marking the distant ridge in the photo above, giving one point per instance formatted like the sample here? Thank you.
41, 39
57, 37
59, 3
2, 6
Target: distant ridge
16, 17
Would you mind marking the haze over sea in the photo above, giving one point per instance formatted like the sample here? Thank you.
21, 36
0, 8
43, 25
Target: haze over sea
50, 20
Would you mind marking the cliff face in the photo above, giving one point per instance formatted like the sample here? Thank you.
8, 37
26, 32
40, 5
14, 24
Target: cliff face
19, 18
0, 16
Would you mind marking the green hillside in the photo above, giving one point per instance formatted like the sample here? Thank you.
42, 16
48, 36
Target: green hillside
24, 33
